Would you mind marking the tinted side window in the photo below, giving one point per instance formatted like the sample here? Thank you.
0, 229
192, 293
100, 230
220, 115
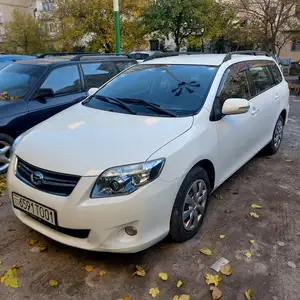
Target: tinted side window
63, 80
276, 73
260, 76
234, 83
96, 74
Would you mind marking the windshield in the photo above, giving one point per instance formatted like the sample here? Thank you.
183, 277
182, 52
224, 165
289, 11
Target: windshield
16, 80
180, 89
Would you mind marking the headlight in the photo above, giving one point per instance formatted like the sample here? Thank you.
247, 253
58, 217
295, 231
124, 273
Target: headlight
126, 179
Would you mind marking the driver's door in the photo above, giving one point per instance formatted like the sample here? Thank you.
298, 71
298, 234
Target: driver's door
64, 88
236, 132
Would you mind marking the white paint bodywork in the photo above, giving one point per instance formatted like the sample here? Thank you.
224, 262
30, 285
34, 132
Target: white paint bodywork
85, 142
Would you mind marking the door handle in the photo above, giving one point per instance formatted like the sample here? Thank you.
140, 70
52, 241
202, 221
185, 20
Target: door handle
254, 110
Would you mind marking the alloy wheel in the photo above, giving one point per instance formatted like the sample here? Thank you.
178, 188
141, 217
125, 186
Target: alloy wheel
5, 155
194, 204
278, 134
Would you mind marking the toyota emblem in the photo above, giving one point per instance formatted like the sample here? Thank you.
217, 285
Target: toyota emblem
37, 178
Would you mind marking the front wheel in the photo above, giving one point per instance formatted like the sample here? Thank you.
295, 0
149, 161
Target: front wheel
6, 143
190, 205
275, 143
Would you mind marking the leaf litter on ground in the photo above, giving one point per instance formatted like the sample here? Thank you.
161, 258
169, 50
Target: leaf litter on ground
255, 206
248, 294
212, 279
254, 215
216, 293
9, 279
139, 271
163, 276
53, 283
206, 251
182, 297
226, 270
179, 283
219, 264
154, 292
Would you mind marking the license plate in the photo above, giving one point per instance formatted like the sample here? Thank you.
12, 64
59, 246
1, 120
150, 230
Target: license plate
35, 209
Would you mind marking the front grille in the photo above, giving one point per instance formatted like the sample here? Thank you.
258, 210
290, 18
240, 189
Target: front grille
46, 181
78, 233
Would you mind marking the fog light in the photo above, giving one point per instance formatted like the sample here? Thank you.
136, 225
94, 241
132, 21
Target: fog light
130, 230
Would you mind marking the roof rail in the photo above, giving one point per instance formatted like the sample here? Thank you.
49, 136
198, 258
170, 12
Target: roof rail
244, 52
78, 55
170, 54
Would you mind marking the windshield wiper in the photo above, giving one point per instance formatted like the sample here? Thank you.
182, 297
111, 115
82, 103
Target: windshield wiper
149, 104
116, 102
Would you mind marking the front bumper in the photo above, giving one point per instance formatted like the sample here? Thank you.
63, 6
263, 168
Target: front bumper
148, 210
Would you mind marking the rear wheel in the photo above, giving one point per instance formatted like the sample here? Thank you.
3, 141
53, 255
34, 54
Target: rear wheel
275, 143
6, 143
190, 205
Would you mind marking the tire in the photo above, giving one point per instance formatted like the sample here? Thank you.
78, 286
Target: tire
275, 143
6, 143
179, 224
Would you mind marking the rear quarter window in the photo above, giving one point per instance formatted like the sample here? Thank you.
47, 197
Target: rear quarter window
276, 73
261, 77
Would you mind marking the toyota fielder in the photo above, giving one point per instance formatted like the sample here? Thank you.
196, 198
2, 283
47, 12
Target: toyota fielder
137, 160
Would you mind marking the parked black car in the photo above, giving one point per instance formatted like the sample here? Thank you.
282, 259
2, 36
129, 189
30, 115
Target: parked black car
31, 91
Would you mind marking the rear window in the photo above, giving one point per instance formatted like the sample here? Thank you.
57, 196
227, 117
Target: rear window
181, 89
96, 74
139, 56
16, 80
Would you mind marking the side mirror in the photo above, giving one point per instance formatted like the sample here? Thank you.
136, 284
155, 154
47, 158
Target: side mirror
92, 91
235, 106
44, 93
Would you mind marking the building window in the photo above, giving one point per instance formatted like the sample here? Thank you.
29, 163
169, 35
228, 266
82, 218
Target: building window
1, 16
295, 46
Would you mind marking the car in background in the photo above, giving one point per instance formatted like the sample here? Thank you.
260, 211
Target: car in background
32, 91
138, 160
140, 56
6, 59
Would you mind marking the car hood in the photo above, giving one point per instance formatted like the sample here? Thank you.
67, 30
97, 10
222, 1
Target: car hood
85, 141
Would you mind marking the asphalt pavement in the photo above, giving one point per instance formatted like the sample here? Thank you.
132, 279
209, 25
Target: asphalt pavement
272, 271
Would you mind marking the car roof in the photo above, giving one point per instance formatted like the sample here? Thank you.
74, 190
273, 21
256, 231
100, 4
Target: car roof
61, 60
204, 59
6, 57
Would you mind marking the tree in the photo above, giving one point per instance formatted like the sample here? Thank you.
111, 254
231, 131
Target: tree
24, 34
90, 22
270, 20
179, 19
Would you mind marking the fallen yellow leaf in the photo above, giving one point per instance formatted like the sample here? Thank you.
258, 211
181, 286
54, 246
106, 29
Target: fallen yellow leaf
206, 251
53, 283
222, 236
248, 254
289, 160
182, 297
179, 283
226, 270
216, 293
248, 294
212, 279
125, 298
252, 241
43, 248
0, 262
163, 276
89, 268
254, 215
255, 206
154, 292
9, 279
139, 271
102, 272
32, 242
219, 197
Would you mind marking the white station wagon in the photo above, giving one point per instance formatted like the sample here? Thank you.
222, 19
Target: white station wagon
138, 159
